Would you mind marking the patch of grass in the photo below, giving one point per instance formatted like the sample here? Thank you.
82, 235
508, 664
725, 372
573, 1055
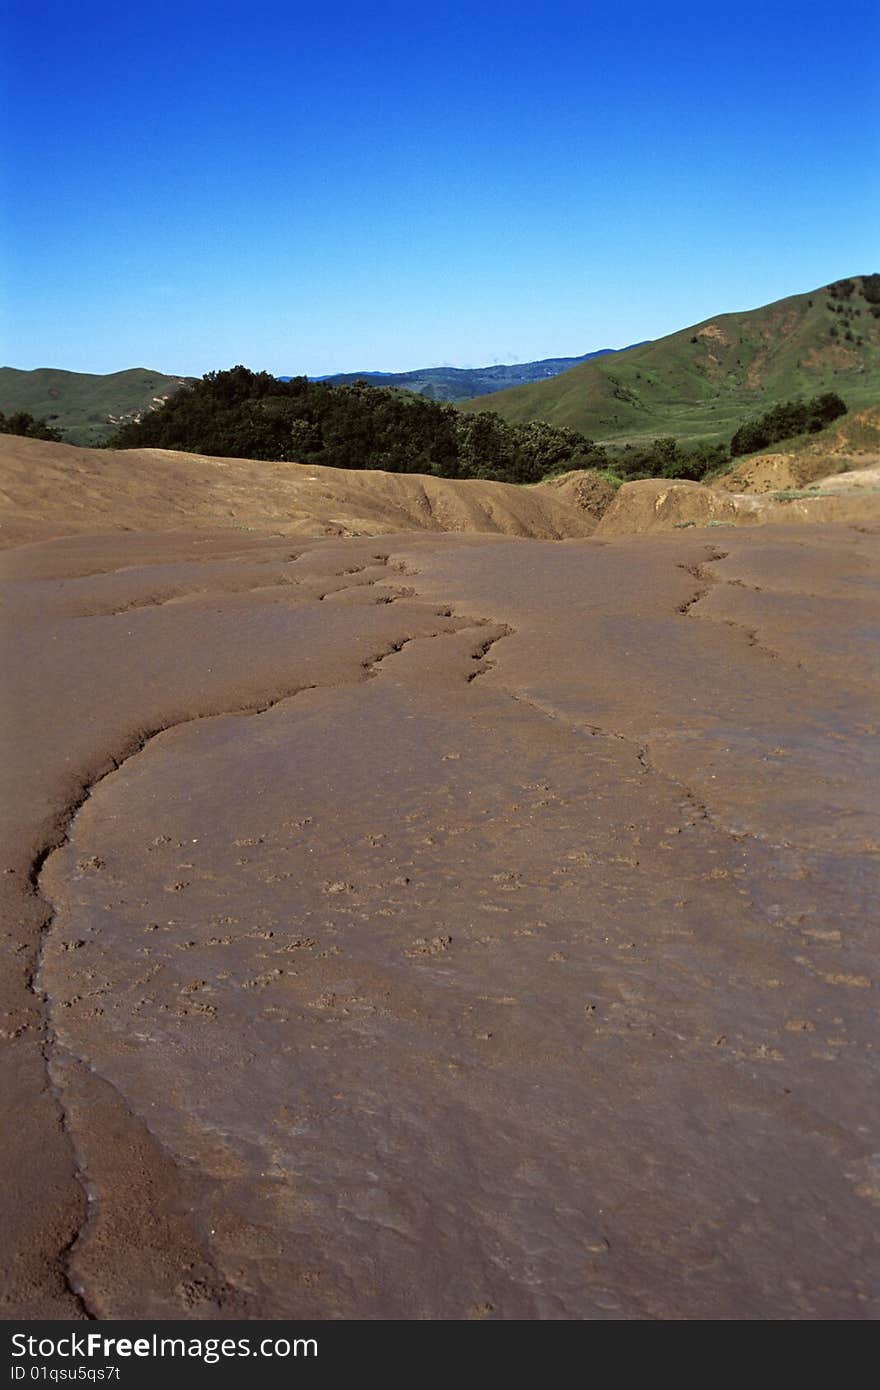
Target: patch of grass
796, 494
613, 479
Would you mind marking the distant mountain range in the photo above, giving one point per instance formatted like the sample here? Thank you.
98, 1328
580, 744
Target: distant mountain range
87, 408
705, 381
460, 383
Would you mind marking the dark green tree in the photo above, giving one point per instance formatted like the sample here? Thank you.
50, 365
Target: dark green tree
244, 414
23, 423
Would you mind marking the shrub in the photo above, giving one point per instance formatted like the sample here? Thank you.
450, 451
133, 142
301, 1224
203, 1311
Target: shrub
244, 414
669, 458
871, 288
786, 420
22, 423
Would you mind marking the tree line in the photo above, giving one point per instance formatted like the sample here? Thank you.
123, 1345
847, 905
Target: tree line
244, 414
23, 423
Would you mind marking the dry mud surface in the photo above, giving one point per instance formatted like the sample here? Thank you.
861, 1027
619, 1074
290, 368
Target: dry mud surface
441, 926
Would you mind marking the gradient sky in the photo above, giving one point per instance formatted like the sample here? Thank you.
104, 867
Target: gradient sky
192, 185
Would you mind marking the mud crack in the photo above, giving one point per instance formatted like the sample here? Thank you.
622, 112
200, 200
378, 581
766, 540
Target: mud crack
482, 648
707, 582
698, 571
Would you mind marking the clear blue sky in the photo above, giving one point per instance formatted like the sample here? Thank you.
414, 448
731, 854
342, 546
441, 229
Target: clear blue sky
354, 186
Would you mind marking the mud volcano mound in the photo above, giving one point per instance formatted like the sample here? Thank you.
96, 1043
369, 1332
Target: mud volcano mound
430, 925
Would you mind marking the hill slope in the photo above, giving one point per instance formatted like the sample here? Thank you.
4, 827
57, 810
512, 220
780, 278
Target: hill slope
704, 381
85, 408
460, 383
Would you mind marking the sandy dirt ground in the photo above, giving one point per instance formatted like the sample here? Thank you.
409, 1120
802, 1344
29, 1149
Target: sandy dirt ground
49, 490
661, 504
58, 489
441, 926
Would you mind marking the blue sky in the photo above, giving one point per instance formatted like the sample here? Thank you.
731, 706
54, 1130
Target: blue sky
363, 186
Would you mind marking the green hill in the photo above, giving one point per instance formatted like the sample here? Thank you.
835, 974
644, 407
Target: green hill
704, 382
85, 409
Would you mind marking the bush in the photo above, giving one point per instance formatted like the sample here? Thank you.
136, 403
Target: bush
609, 476
244, 414
668, 458
786, 420
871, 288
24, 424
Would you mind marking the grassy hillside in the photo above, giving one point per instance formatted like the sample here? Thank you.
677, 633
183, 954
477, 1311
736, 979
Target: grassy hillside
459, 383
704, 382
85, 409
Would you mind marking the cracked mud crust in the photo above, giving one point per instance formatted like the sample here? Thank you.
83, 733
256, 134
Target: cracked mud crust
403, 927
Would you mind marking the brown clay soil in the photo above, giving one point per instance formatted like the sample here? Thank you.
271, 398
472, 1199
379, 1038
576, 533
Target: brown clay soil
848, 447
419, 925
59, 489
